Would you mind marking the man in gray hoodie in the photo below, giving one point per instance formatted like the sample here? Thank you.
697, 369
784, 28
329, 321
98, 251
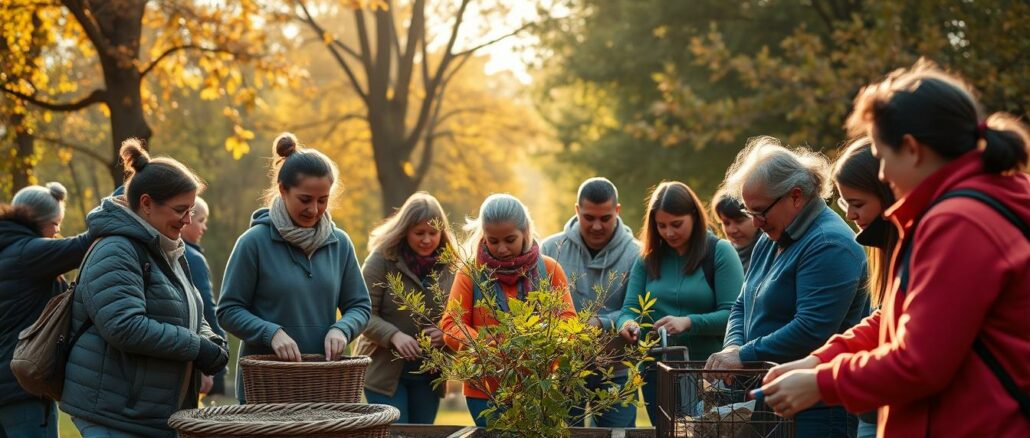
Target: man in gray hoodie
597, 251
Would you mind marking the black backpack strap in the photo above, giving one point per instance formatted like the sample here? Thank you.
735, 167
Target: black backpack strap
981, 350
1003, 376
708, 263
998, 206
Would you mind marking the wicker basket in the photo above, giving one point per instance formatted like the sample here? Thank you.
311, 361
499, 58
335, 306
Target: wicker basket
266, 379
322, 420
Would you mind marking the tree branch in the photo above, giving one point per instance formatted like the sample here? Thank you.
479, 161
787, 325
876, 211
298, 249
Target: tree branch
77, 148
172, 50
434, 83
521, 29
336, 55
97, 96
89, 25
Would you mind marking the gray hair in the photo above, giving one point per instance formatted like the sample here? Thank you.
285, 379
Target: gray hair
200, 205
497, 208
46, 203
765, 162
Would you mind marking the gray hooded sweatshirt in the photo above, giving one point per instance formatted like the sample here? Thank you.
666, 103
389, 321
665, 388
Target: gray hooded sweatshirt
609, 269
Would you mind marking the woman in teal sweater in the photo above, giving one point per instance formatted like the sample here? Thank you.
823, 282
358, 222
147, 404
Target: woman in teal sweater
675, 243
293, 269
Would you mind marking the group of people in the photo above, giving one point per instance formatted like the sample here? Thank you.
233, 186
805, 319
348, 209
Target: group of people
916, 326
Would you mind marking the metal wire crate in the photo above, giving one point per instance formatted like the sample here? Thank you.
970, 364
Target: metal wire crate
698, 403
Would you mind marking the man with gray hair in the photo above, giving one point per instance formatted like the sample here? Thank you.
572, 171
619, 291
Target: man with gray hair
597, 251
807, 276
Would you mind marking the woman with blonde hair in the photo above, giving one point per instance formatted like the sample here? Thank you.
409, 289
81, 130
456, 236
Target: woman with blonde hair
408, 245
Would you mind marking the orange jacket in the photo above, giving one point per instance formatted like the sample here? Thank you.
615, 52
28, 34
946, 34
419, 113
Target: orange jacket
473, 318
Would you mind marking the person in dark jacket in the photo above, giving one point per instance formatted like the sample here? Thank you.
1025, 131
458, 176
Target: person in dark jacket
807, 276
738, 228
294, 269
145, 343
32, 260
200, 274
409, 244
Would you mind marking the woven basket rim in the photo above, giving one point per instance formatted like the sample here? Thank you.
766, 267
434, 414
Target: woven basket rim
187, 421
272, 361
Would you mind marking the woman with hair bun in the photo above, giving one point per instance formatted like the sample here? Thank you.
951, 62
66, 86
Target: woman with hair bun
293, 269
32, 260
144, 341
947, 352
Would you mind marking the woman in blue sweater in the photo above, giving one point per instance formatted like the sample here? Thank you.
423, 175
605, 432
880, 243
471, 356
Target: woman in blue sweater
674, 244
293, 269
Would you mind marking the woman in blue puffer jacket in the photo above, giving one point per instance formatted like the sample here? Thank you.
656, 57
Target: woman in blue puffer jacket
145, 342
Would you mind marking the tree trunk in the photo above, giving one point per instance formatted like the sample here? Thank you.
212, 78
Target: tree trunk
122, 27
127, 118
24, 149
396, 184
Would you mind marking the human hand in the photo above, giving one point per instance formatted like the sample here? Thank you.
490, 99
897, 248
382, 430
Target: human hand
335, 343
285, 347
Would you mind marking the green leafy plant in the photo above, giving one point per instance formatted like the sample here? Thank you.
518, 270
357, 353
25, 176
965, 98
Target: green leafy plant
540, 360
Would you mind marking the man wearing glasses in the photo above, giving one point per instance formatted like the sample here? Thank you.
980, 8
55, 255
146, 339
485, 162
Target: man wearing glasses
807, 276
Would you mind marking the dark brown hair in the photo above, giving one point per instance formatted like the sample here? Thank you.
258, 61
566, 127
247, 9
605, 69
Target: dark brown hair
293, 161
162, 178
857, 168
675, 198
938, 109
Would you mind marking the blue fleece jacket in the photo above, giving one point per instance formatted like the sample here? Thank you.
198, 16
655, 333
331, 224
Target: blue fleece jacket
270, 284
200, 275
801, 290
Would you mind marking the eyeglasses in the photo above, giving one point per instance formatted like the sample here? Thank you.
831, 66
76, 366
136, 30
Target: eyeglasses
760, 215
182, 214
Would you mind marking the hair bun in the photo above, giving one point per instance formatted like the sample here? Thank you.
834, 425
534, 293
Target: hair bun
285, 145
57, 190
134, 157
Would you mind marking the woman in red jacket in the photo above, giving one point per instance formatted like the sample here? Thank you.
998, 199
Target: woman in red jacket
947, 353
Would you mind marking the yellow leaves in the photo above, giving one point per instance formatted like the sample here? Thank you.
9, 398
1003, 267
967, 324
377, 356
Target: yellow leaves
409, 169
237, 143
327, 38
660, 32
65, 155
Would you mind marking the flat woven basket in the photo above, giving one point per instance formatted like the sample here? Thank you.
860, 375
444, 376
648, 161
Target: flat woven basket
266, 379
321, 420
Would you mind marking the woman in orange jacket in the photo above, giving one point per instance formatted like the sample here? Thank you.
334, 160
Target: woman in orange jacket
502, 240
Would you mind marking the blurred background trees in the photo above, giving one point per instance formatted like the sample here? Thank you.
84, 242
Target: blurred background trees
407, 95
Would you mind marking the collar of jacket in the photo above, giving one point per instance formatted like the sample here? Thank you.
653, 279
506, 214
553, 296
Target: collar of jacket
621, 236
801, 224
195, 246
906, 211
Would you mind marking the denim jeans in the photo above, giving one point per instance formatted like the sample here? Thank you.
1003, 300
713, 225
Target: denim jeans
617, 416
825, 421
28, 418
477, 405
414, 397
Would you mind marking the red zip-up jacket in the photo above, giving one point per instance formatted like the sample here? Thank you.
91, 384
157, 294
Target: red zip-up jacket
969, 278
